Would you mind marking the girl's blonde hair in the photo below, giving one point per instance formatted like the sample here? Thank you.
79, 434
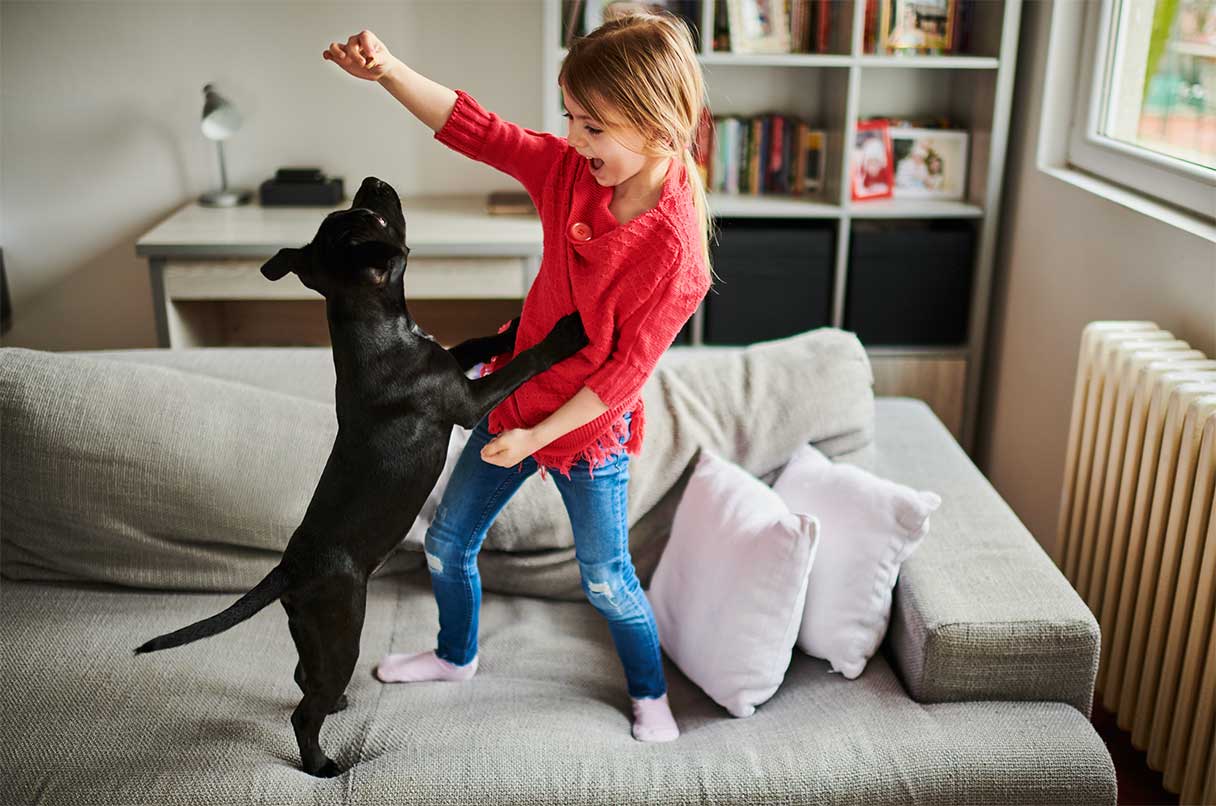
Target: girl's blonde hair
643, 66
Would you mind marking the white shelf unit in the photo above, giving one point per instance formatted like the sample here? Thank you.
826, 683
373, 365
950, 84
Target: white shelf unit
833, 91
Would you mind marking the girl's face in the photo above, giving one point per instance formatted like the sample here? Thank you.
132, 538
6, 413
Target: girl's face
611, 162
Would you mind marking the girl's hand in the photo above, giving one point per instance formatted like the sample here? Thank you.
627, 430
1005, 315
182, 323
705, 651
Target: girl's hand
363, 56
510, 447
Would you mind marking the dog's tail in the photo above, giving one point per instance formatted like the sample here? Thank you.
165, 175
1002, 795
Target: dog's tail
270, 588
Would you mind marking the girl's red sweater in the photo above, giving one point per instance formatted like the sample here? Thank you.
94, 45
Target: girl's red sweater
634, 285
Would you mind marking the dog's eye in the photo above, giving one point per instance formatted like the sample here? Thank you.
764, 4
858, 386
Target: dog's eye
383, 223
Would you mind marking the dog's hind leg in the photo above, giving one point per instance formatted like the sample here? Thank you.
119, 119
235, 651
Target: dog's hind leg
342, 702
326, 629
340, 705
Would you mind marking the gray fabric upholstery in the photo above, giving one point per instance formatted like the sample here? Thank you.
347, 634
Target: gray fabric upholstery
979, 694
147, 476
544, 721
980, 610
206, 459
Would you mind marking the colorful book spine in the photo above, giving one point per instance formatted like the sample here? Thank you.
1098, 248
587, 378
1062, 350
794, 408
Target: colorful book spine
764, 154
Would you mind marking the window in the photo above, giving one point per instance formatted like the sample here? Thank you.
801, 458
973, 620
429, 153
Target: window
1145, 112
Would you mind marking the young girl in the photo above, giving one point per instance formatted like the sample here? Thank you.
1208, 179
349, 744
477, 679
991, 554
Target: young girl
626, 243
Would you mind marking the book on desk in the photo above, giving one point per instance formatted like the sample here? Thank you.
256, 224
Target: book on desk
509, 202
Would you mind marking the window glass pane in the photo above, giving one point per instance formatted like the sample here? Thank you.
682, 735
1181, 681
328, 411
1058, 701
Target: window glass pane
1161, 85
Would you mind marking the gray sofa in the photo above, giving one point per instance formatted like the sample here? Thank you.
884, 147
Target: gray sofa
980, 693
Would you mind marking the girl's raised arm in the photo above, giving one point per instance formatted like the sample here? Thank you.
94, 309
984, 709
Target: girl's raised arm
365, 56
458, 121
429, 101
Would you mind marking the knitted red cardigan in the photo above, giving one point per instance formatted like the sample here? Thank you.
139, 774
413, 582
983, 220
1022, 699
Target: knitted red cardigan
634, 285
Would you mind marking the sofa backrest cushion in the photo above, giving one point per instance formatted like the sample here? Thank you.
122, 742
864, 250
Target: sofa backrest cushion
134, 471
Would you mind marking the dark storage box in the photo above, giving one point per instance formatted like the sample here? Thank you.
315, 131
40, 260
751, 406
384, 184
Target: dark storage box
909, 282
773, 279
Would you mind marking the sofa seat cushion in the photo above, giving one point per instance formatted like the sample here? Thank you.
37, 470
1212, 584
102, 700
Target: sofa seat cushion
544, 721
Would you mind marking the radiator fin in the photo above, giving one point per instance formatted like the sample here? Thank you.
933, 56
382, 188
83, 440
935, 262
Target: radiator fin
1137, 539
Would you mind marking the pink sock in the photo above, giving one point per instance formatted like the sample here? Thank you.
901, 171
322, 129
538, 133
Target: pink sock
652, 720
416, 667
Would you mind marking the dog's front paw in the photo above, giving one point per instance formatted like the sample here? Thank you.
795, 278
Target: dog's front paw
568, 335
340, 705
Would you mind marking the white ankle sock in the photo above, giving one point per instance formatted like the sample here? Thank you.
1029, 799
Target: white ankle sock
652, 720
416, 667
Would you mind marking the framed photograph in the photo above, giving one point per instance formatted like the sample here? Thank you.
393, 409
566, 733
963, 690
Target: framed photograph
758, 26
929, 163
917, 26
871, 172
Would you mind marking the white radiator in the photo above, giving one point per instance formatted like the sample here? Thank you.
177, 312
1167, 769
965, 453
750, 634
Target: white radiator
1137, 539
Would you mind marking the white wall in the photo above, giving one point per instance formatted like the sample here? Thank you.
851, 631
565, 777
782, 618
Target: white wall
99, 128
1068, 257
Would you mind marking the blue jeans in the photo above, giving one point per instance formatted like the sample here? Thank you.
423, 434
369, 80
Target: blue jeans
478, 490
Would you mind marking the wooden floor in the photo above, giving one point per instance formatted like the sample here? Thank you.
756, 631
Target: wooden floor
1137, 782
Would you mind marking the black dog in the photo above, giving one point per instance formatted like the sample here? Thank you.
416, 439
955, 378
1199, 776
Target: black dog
398, 395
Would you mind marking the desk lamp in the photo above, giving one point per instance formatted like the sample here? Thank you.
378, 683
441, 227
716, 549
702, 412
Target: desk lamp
220, 121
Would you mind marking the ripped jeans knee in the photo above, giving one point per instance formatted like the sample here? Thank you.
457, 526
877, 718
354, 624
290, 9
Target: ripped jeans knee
611, 588
445, 556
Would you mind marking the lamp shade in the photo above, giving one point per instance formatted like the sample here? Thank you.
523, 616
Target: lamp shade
221, 121
220, 118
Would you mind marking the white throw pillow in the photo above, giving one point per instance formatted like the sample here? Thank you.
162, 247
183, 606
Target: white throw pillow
729, 588
868, 526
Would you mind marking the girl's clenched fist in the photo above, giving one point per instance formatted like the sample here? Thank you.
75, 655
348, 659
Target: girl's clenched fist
363, 56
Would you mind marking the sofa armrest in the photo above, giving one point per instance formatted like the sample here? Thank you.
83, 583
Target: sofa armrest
980, 611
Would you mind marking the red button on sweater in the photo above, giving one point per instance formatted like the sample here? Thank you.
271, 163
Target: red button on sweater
634, 285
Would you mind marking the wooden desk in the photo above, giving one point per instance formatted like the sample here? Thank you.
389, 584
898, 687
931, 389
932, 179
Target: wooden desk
468, 272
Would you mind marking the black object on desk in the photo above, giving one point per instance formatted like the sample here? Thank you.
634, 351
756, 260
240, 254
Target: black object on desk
300, 187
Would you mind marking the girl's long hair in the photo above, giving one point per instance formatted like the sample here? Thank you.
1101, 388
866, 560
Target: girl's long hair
643, 67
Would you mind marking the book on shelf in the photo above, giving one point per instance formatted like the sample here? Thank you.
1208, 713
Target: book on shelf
919, 27
739, 26
771, 154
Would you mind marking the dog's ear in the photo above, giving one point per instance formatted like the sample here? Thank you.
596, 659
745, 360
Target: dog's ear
376, 258
286, 260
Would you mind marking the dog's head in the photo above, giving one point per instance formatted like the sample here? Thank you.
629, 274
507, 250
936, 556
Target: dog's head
360, 247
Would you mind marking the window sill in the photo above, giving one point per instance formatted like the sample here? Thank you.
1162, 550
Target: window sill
1189, 223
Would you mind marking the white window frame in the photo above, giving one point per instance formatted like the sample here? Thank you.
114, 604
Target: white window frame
1071, 148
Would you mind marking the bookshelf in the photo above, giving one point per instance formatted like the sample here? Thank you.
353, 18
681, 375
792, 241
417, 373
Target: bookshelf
833, 90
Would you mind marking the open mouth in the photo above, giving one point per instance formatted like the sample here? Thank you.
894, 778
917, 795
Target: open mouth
596, 163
